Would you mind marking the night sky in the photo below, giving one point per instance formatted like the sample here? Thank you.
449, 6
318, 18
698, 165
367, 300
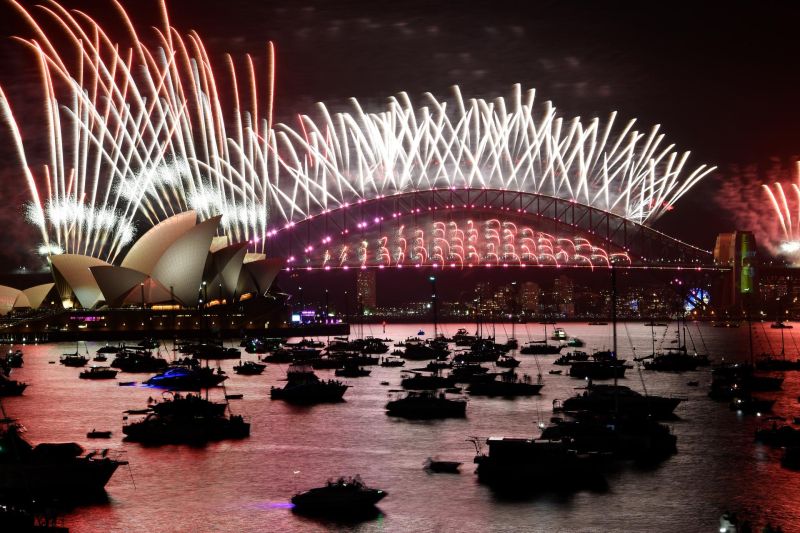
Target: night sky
720, 77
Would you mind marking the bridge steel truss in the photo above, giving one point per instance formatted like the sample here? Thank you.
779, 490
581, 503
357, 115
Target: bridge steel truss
564, 218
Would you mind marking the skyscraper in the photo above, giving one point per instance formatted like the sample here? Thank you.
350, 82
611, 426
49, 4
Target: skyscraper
366, 295
529, 297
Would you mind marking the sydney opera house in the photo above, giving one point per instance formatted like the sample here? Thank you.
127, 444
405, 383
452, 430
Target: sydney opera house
177, 265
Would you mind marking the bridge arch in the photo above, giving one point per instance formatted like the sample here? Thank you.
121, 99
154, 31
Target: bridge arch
572, 229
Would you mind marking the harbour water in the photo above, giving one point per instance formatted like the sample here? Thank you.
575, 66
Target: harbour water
245, 485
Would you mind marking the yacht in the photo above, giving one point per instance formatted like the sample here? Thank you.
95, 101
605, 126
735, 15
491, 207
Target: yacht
249, 368
538, 464
540, 348
339, 497
183, 378
621, 437
215, 351
624, 400
419, 381
185, 420
138, 361
304, 387
426, 404
98, 372
508, 385
11, 387
73, 359
50, 469
351, 369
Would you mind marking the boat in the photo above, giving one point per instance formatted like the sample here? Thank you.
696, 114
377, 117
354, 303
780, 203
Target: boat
777, 364
11, 387
514, 463
351, 369
249, 368
615, 435
597, 323
304, 387
734, 380
597, 369
555, 372
575, 342
417, 350
433, 464
465, 372
98, 372
100, 358
305, 343
127, 383
539, 348
426, 405
208, 350
73, 359
108, 349
571, 357
506, 361
281, 355
336, 498
559, 334
95, 434
601, 398
419, 381
138, 361
51, 469
751, 405
508, 385
676, 359
772, 364
13, 359
778, 436
237, 396
392, 362
189, 379
435, 366
791, 458
186, 419
780, 325
148, 343
670, 361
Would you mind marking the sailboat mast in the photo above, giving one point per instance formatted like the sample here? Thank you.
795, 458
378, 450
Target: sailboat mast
614, 334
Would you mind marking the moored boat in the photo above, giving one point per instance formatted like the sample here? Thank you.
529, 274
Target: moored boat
337, 498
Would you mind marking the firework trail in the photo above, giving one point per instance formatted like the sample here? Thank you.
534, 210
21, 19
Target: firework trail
466, 243
140, 134
136, 135
478, 143
766, 202
786, 210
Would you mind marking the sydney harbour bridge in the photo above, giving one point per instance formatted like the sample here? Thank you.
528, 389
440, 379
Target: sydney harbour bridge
139, 137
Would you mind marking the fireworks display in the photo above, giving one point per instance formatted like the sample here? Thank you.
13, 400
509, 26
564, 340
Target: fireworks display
136, 135
786, 209
454, 243
766, 200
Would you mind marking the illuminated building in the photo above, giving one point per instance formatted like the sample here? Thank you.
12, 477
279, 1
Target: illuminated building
366, 294
737, 251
